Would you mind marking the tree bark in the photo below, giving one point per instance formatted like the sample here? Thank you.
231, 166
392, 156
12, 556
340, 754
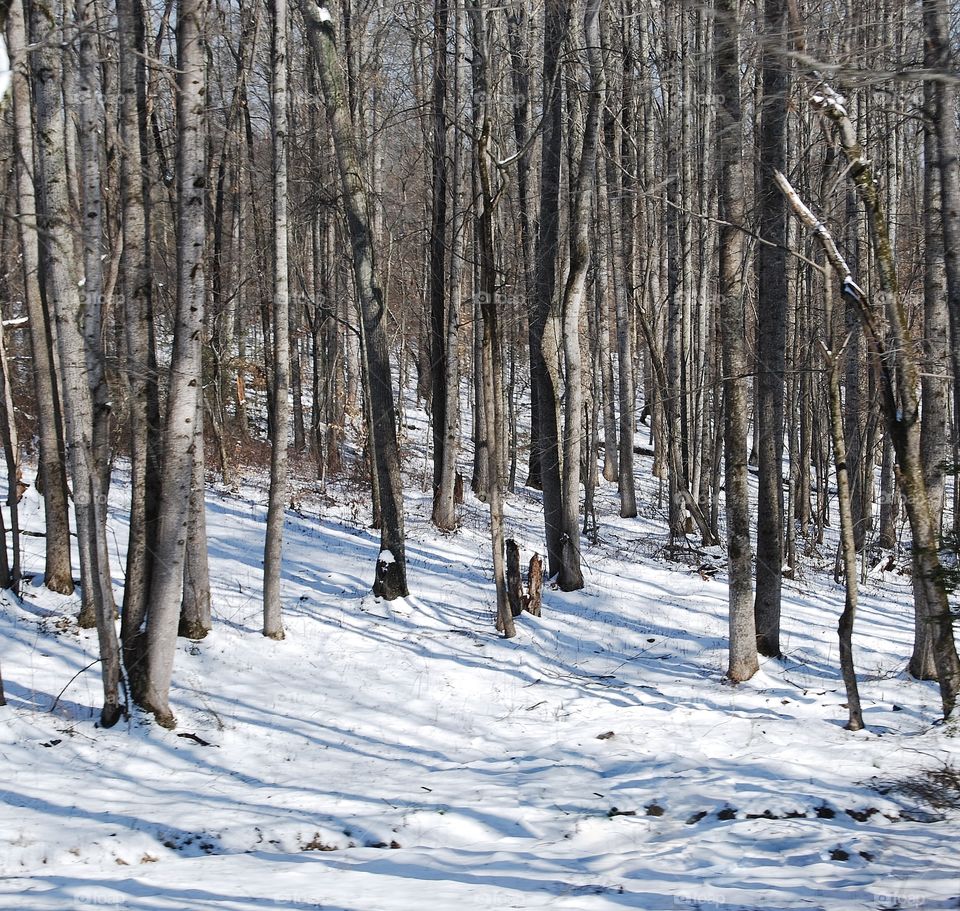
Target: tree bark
52, 480
276, 509
62, 288
743, 662
140, 353
771, 333
391, 573
847, 546
181, 434
571, 575
935, 450
491, 356
897, 377
544, 330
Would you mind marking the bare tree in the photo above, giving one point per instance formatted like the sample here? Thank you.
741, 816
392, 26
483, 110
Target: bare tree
140, 356
771, 330
58, 575
743, 662
891, 345
62, 287
391, 571
181, 435
571, 576
280, 423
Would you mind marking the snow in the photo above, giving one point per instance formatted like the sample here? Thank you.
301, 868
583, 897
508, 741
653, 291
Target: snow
395, 760
323, 14
4, 70
386, 558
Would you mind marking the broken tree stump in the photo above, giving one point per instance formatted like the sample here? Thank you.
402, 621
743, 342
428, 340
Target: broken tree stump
531, 601
514, 583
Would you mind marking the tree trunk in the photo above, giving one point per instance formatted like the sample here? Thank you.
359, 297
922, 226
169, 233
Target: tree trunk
544, 332
483, 126
391, 573
181, 435
935, 382
444, 515
939, 55
571, 576
898, 381
52, 478
273, 543
847, 546
62, 288
195, 620
771, 334
743, 662
140, 356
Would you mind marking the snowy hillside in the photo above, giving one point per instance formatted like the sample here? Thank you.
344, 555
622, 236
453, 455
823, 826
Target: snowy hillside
397, 757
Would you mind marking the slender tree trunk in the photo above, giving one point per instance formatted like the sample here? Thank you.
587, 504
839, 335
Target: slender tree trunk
935, 381
898, 381
391, 572
62, 287
743, 662
544, 332
195, 619
939, 55
11, 454
483, 126
140, 353
57, 575
444, 515
273, 544
181, 434
848, 547
771, 335
571, 576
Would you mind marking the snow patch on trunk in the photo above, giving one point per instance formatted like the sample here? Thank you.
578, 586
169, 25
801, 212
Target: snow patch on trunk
5, 73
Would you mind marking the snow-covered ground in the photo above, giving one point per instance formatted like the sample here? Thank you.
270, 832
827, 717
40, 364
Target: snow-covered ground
400, 756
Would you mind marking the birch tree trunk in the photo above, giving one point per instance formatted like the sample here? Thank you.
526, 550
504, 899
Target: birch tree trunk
391, 572
57, 574
181, 435
62, 288
273, 544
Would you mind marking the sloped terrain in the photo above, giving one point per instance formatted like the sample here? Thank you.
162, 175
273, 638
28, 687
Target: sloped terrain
395, 756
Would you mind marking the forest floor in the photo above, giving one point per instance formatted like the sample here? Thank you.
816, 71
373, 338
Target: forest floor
401, 756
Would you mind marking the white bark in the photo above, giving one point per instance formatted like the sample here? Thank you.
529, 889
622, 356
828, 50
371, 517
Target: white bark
181, 434
273, 544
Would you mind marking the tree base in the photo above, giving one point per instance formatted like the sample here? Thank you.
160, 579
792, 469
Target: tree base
61, 584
